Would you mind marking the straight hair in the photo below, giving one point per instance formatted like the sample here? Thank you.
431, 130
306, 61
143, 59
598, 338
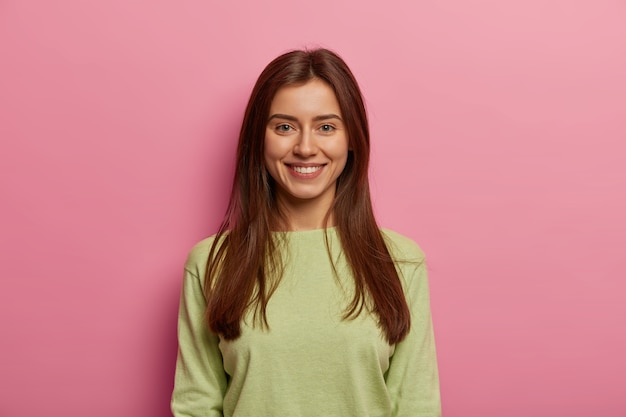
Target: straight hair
245, 266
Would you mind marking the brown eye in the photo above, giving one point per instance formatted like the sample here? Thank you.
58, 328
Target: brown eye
327, 128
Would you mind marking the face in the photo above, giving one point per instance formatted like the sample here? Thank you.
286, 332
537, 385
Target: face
306, 144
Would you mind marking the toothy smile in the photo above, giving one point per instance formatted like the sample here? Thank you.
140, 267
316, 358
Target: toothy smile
306, 170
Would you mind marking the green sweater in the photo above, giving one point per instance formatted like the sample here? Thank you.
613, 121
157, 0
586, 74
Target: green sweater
310, 362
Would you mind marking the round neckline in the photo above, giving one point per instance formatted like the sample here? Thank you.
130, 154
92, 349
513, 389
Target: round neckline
309, 236
309, 231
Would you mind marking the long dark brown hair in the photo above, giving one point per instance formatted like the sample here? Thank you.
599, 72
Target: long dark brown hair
244, 264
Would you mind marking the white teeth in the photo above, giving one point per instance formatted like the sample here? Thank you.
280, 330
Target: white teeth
306, 170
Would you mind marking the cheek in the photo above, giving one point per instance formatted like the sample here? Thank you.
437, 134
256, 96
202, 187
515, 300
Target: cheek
268, 154
271, 156
342, 153
340, 150
272, 149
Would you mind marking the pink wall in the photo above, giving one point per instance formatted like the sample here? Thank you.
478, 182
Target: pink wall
499, 133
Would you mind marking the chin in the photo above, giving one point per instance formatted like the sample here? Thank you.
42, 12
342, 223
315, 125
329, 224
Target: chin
304, 195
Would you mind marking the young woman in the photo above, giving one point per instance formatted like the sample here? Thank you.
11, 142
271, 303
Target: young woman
300, 305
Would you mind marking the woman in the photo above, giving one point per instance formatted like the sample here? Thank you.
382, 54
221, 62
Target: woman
301, 305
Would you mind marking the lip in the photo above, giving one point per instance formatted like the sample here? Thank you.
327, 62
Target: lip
302, 175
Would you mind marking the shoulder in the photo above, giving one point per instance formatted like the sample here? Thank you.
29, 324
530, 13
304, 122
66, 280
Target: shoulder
198, 256
402, 248
408, 258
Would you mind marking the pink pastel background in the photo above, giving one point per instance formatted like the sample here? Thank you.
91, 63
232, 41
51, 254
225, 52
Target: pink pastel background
499, 145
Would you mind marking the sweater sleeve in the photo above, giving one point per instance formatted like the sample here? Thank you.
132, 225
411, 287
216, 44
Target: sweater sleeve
412, 378
200, 381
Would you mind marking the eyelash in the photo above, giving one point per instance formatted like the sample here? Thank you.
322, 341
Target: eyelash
285, 128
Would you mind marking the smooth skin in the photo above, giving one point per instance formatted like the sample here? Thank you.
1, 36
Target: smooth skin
306, 149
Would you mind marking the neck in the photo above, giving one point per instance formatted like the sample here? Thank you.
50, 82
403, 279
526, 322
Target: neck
306, 214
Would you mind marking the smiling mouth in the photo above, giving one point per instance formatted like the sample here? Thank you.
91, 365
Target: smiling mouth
306, 170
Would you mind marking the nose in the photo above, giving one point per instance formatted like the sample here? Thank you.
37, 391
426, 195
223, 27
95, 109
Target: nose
306, 145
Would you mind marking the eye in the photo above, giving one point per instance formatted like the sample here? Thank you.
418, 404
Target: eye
283, 128
327, 128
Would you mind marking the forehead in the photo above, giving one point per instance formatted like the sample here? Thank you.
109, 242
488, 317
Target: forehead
314, 96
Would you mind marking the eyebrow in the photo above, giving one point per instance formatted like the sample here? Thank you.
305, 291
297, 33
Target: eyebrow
295, 119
